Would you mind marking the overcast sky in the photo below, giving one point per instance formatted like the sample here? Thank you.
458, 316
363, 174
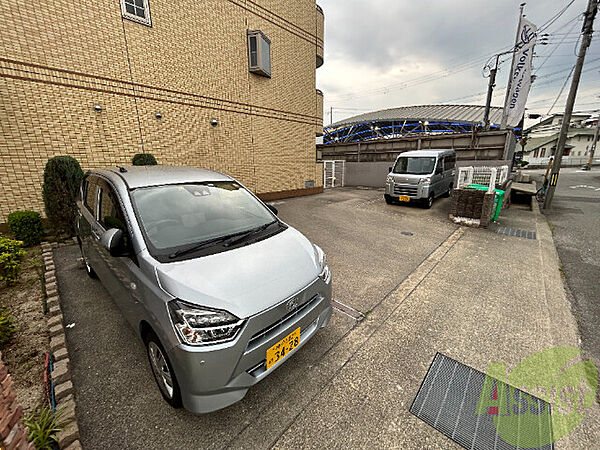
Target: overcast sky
387, 53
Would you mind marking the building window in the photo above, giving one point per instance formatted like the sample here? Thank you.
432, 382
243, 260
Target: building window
259, 53
543, 154
536, 153
136, 10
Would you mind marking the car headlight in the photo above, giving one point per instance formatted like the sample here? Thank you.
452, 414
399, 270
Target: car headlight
203, 326
325, 273
389, 179
425, 180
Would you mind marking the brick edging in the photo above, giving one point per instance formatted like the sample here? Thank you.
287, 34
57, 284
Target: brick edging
13, 434
68, 438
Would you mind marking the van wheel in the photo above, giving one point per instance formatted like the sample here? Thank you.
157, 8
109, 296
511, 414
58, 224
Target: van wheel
88, 269
162, 370
429, 202
388, 199
448, 192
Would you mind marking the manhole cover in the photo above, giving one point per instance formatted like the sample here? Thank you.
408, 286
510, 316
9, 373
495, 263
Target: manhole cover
448, 400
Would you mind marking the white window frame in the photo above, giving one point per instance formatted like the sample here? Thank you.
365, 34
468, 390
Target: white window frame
144, 21
261, 67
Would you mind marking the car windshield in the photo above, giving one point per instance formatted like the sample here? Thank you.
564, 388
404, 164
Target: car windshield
178, 215
418, 165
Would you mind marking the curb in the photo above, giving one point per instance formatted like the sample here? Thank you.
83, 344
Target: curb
64, 395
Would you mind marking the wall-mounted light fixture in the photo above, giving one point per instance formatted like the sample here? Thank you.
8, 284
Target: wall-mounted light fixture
98, 108
158, 116
214, 122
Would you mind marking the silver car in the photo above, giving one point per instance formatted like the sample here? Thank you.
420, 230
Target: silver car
420, 175
219, 289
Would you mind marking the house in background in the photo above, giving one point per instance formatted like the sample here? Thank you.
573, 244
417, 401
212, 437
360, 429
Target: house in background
225, 85
542, 139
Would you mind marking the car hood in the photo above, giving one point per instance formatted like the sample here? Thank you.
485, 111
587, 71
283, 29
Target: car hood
245, 280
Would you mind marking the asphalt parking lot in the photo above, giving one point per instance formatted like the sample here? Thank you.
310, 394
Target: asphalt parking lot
371, 248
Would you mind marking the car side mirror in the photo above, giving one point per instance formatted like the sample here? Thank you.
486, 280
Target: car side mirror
114, 241
390, 169
273, 209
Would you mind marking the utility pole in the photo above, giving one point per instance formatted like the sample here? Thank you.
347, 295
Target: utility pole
512, 70
330, 115
593, 149
587, 31
488, 102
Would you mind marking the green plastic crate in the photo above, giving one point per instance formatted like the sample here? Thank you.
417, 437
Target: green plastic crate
498, 198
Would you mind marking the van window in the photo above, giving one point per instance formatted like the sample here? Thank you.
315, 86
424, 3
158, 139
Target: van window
449, 162
416, 165
440, 166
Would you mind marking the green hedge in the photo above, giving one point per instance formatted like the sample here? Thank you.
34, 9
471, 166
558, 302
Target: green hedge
11, 252
144, 159
26, 226
62, 179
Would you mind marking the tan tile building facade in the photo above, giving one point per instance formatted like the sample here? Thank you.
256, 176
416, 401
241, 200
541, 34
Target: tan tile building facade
79, 78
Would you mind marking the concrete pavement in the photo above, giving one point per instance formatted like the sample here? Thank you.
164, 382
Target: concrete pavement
471, 294
575, 219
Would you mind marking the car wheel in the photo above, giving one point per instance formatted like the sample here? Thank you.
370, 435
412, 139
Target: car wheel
388, 199
88, 269
429, 202
448, 192
163, 371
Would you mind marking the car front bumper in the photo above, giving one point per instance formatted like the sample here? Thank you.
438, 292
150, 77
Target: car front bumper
214, 377
414, 191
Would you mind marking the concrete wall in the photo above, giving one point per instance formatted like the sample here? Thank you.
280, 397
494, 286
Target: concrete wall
491, 145
366, 173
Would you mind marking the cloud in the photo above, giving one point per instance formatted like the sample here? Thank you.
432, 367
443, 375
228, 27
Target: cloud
387, 53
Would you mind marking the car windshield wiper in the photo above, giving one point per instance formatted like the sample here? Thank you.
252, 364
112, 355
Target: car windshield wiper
203, 244
248, 233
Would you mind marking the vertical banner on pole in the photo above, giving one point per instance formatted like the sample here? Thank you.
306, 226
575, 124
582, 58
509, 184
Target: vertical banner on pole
520, 82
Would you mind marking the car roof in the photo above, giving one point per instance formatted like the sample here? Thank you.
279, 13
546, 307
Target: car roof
426, 152
144, 176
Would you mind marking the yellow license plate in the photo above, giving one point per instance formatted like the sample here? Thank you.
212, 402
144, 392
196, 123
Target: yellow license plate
283, 347
404, 198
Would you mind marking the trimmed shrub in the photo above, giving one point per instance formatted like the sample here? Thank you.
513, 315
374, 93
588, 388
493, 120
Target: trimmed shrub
62, 179
11, 252
26, 226
524, 163
144, 159
7, 327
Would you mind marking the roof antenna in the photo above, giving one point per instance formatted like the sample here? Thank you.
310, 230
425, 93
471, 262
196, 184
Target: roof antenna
122, 169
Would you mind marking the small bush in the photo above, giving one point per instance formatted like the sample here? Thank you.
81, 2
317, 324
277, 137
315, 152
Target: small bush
144, 159
11, 252
62, 179
524, 163
43, 428
26, 226
7, 327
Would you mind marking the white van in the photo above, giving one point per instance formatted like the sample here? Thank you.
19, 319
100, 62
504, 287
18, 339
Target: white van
420, 175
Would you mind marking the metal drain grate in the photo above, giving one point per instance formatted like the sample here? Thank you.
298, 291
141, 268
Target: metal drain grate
516, 232
448, 398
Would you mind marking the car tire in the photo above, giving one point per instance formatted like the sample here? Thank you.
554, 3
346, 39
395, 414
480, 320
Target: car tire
388, 199
88, 269
162, 370
428, 203
448, 192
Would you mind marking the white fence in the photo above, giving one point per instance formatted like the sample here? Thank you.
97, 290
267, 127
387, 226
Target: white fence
333, 173
483, 175
567, 161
